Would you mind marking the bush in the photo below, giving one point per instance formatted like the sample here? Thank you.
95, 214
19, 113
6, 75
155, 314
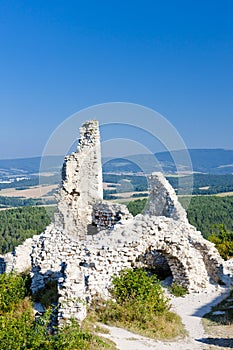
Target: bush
13, 289
177, 290
134, 285
140, 306
19, 330
223, 241
137, 206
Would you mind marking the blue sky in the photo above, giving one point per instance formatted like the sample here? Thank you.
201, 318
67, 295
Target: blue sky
60, 56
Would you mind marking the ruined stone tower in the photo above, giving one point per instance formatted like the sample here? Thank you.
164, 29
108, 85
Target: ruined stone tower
83, 264
81, 183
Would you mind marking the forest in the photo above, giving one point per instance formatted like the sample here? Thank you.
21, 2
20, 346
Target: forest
204, 184
18, 224
212, 215
205, 212
9, 202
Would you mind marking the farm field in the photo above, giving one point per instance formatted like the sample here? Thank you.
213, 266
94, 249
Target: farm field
32, 192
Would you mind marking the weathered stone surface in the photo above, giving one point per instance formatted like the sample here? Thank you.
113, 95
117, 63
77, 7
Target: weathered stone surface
81, 183
19, 260
105, 214
163, 200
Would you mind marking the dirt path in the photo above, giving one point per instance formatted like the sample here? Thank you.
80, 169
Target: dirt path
191, 308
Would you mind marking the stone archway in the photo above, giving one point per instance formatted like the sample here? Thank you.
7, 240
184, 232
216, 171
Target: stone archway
165, 264
156, 263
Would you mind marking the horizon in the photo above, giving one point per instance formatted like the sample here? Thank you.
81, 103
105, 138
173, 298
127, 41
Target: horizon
127, 155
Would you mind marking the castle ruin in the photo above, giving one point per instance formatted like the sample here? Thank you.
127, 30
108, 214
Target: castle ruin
90, 239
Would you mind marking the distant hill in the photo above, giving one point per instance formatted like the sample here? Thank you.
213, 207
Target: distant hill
28, 166
212, 161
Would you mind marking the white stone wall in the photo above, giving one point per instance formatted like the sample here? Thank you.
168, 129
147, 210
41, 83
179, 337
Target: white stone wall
20, 259
92, 240
90, 264
163, 200
81, 183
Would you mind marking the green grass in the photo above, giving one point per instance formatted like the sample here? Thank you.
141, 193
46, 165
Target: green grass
177, 290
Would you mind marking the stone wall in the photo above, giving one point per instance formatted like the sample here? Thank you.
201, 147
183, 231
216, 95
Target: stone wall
81, 183
105, 215
92, 240
20, 259
163, 200
84, 269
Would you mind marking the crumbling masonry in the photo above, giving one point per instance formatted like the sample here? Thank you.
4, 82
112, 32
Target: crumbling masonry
91, 240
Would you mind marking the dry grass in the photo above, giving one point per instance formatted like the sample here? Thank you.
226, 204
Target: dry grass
224, 194
23, 306
164, 326
91, 324
32, 192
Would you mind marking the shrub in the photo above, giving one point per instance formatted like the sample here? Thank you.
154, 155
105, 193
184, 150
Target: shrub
19, 330
13, 289
134, 285
137, 206
177, 290
140, 306
22, 332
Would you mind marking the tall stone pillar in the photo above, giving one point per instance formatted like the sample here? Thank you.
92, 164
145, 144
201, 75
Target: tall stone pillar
81, 183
